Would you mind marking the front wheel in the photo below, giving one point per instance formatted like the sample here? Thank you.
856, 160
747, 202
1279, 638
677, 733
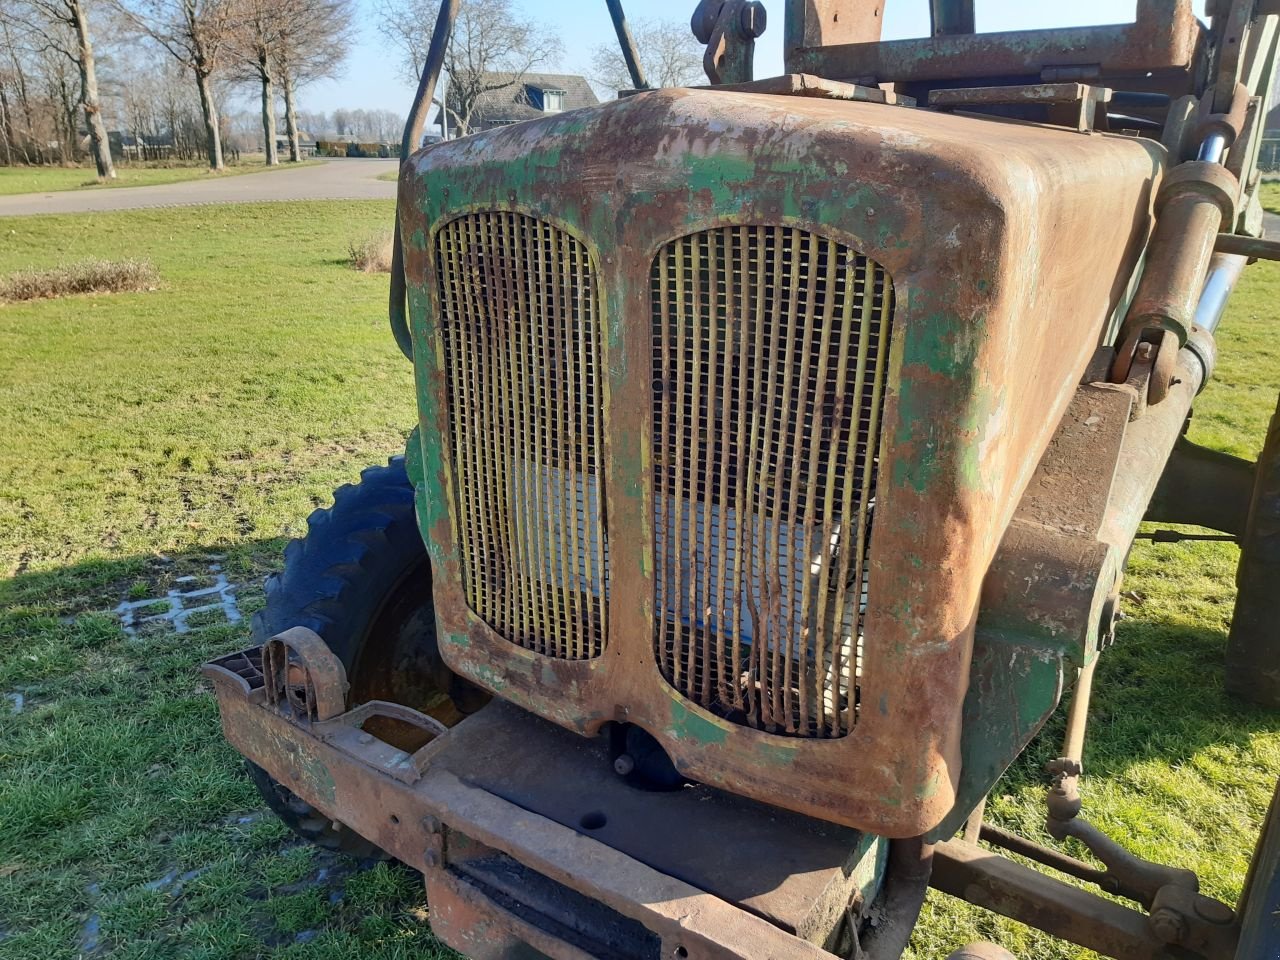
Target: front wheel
361, 579
1253, 650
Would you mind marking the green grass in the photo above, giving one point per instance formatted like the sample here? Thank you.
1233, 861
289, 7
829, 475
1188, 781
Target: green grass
145, 436
15, 180
390, 177
1271, 196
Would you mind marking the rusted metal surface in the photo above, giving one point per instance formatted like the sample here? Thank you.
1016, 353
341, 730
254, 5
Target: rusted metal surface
1203, 487
764, 469
1253, 247
1195, 200
729, 28
807, 85
816, 23
1048, 593
1060, 909
1083, 100
1158, 51
1023, 847
303, 675
549, 800
947, 492
525, 401
798, 874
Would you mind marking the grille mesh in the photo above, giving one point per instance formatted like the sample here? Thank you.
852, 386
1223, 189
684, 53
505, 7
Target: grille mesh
769, 363
519, 319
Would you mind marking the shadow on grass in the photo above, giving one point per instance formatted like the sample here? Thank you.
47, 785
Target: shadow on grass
127, 823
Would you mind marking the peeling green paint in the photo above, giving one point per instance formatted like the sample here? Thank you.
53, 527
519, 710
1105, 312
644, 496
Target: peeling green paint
688, 725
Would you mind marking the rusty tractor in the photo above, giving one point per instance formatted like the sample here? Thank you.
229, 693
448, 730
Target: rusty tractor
781, 445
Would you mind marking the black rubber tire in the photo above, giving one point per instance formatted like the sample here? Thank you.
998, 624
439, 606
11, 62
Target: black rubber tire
361, 579
1253, 649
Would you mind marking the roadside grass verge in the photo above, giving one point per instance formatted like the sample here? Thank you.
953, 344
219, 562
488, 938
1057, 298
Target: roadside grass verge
51, 179
81, 276
147, 438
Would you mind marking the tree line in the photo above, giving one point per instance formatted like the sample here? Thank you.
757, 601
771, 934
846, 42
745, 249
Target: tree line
161, 58
167, 65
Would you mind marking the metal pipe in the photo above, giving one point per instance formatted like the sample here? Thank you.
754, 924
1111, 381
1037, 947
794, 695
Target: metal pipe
628, 44
396, 306
1213, 149
1224, 273
1043, 855
1078, 713
1255, 248
951, 17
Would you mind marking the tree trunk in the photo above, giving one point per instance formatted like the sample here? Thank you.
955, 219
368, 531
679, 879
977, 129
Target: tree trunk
291, 116
89, 97
209, 112
268, 117
6, 127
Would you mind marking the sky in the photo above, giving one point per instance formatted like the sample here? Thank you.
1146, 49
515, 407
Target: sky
372, 79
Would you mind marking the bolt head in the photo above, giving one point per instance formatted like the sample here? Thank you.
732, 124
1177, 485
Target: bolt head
432, 858
624, 765
431, 824
1168, 925
754, 19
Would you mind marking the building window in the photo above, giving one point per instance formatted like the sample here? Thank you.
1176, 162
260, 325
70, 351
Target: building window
552, 101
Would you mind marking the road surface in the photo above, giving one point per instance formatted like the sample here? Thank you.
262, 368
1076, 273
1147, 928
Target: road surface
349, 179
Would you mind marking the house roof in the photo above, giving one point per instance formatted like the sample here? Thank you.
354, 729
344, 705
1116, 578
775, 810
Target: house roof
522, 99
1273, 119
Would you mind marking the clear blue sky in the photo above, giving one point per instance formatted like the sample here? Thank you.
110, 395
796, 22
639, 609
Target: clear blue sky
373, 81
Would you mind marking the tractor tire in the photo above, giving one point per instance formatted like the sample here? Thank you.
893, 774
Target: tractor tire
361, 579
1253, 648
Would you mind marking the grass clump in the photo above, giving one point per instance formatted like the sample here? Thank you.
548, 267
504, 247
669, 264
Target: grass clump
82, 276
372, 254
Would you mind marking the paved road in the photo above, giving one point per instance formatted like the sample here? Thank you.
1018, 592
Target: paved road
331, 180
1271, 224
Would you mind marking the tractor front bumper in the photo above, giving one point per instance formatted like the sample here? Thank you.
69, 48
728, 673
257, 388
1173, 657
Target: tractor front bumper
527, 837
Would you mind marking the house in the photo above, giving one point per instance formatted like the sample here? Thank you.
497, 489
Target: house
130, 146
306, 144
523, 98
1272, 124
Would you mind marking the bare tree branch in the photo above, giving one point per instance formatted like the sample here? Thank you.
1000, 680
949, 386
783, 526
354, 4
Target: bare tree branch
669, 52
492, 48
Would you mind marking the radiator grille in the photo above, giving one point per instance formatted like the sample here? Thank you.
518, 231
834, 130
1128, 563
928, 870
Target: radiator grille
769, 363
519, 318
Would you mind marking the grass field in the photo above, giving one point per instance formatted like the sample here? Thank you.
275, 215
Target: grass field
144, 437
15, 180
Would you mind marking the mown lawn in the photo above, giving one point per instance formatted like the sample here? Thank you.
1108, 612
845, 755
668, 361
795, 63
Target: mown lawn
15, 180
145, 437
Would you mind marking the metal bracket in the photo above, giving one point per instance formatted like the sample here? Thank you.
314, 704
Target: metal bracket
1076, 104
303, 676
729, 29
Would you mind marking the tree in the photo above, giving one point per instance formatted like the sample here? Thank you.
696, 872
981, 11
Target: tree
314, 46
492, 48
194, 33
253, 44
669, 52
63, 29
